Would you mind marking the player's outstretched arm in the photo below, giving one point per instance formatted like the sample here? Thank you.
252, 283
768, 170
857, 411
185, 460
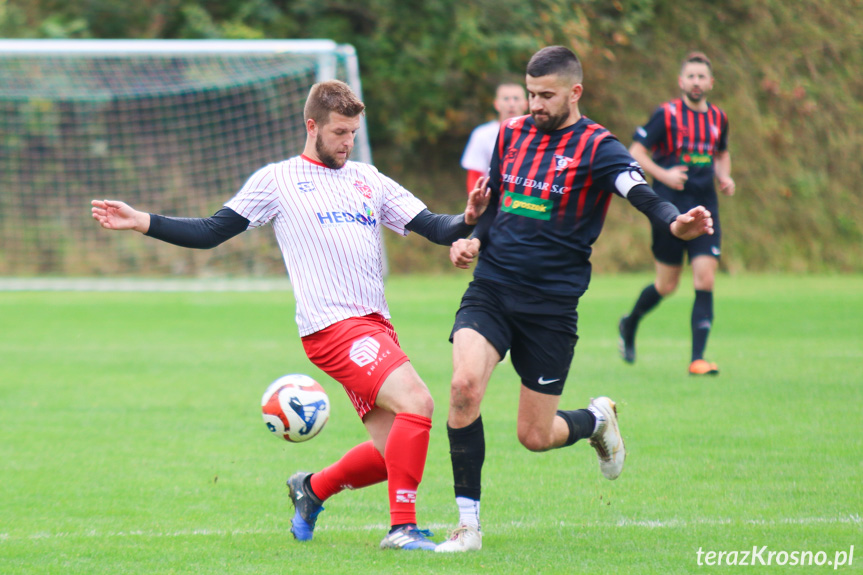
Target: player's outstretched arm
696, 222
444, 229
115, 215
198, 233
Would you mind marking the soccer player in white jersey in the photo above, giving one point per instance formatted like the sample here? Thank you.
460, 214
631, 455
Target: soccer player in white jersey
327, 212
509, 102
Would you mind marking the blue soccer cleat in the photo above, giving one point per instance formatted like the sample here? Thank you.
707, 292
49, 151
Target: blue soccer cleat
306, 506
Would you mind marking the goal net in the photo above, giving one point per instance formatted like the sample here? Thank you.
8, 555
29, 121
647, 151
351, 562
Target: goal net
174, 127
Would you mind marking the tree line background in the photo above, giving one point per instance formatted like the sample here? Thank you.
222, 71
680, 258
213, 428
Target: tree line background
787, 73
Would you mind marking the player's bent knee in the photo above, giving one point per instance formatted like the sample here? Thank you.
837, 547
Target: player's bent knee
535, 440
406, 396
666, 289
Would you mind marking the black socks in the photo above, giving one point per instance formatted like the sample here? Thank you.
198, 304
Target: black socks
702, 319
467, 451
581, 423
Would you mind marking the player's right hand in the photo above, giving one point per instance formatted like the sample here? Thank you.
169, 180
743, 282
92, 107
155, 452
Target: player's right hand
115, 215
463, 252
696, 222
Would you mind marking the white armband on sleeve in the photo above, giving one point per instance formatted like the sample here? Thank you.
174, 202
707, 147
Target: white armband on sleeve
629, 178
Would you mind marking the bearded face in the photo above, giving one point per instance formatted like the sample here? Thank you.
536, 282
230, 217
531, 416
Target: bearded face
695, 81
553, 101
334, 141
333, 155
550, 120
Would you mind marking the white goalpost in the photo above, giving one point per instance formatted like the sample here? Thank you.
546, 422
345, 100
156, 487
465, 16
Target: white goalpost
174, 126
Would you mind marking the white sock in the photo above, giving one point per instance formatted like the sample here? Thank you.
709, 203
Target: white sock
600, 419
468, 511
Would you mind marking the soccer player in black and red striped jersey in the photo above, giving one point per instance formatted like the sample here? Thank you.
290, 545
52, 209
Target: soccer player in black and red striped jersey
552, 177
684, 146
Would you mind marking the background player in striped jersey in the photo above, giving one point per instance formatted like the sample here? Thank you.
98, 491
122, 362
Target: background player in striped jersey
327, 213
509, 102
552, 177
684, 146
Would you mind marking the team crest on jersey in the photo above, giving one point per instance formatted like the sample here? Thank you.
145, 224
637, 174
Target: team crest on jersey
714, 130
561, 162
363, 188
510, 154
305, 187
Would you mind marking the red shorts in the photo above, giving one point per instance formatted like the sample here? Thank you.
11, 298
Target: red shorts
359, 353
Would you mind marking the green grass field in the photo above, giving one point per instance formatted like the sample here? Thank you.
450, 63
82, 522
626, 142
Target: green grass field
132, 440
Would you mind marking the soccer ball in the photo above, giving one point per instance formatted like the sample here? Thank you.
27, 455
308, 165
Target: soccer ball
295, 407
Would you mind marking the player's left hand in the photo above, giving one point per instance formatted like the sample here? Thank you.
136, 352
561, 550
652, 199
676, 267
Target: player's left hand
477, 201
696, 222
726, 185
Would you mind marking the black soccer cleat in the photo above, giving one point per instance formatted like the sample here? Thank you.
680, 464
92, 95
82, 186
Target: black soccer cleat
627, 340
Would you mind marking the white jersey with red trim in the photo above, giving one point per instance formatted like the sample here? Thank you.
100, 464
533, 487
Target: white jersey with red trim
328, 225
480, 147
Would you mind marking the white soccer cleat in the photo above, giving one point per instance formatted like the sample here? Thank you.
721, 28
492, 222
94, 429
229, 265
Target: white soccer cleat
463, 538
408, 537
606, 440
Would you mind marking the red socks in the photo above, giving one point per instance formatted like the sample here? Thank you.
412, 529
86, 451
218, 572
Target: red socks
403, 465
405, 455
360, 467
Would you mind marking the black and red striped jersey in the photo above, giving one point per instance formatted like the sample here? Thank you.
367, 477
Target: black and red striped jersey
678, 135
550, 195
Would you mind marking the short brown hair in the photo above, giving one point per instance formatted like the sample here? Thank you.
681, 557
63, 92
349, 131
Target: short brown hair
697, 58
331, 96
558, 60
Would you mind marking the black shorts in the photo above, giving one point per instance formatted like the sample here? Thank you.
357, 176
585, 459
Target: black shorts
669, 250
539, 332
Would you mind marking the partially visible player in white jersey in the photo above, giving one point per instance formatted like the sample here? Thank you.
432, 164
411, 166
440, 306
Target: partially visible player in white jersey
509, 102
327, 213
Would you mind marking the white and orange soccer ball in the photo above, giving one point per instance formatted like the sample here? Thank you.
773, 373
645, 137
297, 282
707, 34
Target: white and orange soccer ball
295, 407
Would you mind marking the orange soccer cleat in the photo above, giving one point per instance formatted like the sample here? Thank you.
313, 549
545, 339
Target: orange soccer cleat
703, 367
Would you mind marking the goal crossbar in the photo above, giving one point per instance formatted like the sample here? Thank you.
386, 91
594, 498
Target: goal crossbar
173, 125
328, 52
